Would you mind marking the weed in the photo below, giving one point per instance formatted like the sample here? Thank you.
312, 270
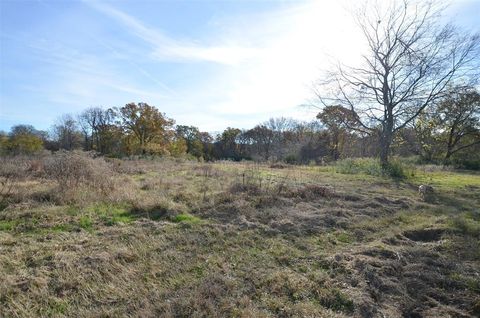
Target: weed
336, 300
466, 225
85, 222
8, 225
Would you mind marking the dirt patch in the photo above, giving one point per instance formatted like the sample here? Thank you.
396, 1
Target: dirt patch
405, 280
424, 235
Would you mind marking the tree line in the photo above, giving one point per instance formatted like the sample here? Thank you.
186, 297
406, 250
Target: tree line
446, 132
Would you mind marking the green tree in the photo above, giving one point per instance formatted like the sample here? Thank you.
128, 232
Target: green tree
150, 130
24, 139
339, 121
459, 117
192, 137
426, 129
227, 145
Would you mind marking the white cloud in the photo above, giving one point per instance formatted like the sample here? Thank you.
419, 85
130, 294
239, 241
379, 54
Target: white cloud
270, 64
297, 44
167, 48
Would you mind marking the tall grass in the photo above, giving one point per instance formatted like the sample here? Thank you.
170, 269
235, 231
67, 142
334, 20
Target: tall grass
396, 169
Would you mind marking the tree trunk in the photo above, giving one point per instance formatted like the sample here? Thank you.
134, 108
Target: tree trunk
386, 137
446, 160
384, 150
450, 145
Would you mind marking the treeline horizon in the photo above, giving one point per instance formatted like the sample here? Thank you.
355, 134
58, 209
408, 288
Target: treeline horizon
447, 132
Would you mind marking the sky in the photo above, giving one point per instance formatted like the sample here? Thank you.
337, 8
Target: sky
211, 64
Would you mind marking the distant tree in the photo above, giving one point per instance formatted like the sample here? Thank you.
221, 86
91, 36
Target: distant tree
150, 129
340, 121
426, 127
459, 118
177, 147
3, 143
227, 144
66, 133
23, 139
99, 129
282, 142
262, 139
207, 144
411, 59
192, 138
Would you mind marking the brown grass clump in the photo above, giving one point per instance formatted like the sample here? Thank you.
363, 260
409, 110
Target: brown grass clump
307, 192
78, 175
279, 165
131, 167
249, 188
12, 171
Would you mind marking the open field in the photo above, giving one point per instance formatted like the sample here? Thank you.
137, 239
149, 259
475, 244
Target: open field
166, 238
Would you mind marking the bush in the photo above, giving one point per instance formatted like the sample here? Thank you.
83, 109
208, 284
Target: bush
291, 159
12, 170
75, 171
395, 169
468, 164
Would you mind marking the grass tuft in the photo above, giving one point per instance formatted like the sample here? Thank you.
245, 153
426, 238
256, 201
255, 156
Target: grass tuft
369, 166
186, 218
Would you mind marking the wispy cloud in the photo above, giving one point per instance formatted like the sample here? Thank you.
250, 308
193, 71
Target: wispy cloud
272, 57
169, 49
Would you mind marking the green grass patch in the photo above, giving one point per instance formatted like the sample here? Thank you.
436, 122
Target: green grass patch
112, 214
62, 228
335, 300
472, 283
448, 179
186, 218
73, 210
8, 225
466, 225
344, 237
370, 166
85, 222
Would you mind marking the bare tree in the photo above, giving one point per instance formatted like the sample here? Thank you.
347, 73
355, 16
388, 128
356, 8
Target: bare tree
411, 58
97, 125
66, 133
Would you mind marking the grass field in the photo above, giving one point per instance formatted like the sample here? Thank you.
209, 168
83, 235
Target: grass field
172, 238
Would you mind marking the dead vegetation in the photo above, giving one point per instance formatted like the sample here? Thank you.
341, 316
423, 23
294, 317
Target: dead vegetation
84, 236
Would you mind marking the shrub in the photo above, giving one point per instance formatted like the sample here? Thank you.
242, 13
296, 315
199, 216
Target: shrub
291, 159
468, 225
75, 171
468, 164
12, 169
359, 165
395, 169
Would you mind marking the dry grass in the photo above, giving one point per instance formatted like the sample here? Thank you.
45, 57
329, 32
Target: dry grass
164, 238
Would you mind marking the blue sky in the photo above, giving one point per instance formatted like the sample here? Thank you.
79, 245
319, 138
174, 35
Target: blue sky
211, 64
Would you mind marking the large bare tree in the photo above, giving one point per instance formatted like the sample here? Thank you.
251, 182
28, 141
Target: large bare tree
411, 58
